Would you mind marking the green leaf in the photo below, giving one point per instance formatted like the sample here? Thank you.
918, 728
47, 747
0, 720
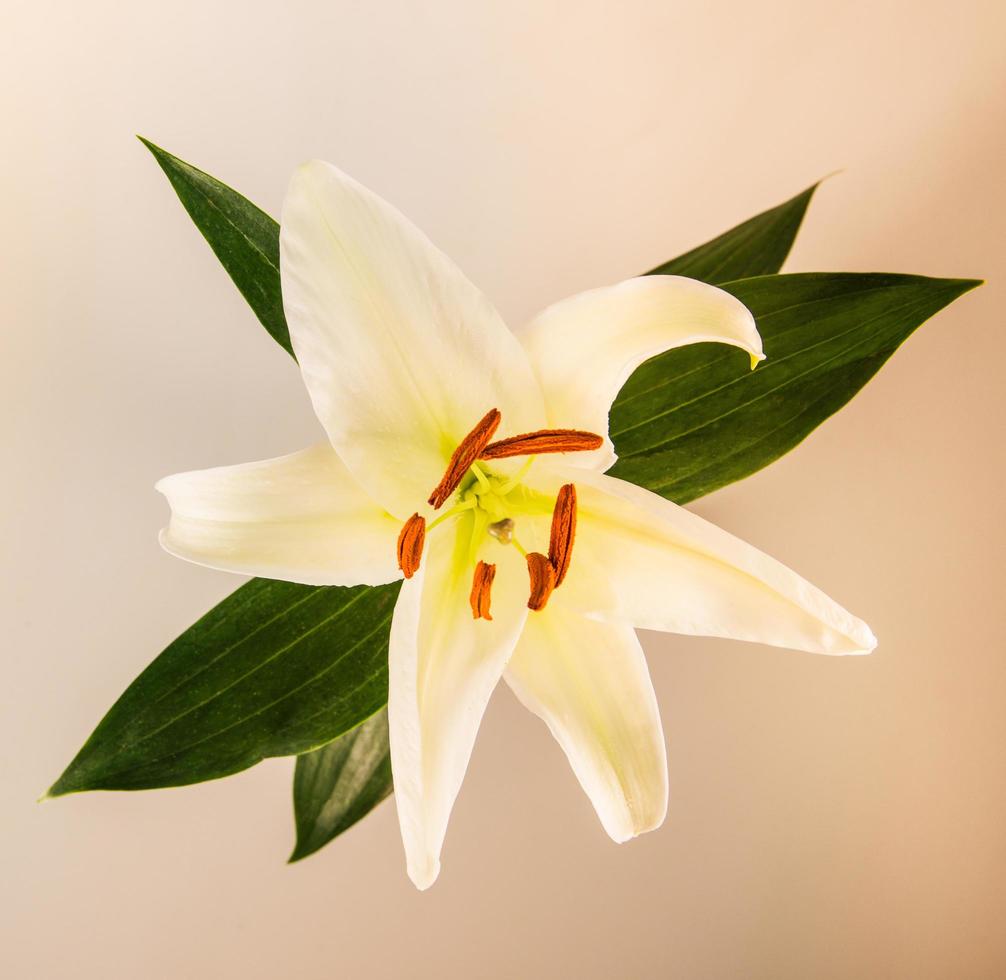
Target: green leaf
692, 420
758, 247
274, 669
336, 785
242, 236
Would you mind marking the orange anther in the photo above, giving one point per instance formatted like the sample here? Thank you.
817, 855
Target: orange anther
482, 583
470, 449
410, 544
560, 544
543, 441
542, 576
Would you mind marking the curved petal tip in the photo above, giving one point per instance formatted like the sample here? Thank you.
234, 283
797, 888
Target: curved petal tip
423, 874
863, 636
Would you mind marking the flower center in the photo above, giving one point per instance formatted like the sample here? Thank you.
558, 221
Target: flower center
490, 500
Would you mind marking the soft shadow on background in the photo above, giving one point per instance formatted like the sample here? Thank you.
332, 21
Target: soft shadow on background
829, 818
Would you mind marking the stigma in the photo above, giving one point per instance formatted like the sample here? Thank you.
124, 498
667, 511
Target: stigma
502, 530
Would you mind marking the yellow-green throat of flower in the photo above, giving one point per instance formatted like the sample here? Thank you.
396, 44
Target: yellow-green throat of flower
491, 499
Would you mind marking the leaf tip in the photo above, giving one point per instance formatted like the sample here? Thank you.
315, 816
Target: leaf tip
805, 196
837, 172
58, 788
159, 153
958, 287
72, 780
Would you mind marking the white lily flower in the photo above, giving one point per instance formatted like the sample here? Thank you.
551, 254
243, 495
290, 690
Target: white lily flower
420, 387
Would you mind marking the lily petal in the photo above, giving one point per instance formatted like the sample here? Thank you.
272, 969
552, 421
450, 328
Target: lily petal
589, 683
443, 666
401, 354
641, 559
301, 518
584, 348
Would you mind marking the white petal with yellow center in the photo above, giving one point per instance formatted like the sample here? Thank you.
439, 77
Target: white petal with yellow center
300, 518
442, 668
584, 348
642, 560
588, 681
400, 353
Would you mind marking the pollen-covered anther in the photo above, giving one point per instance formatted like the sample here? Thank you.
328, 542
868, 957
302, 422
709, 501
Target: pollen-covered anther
482, 583
410, 545
470, 449
560, 544
542, 576
543, 441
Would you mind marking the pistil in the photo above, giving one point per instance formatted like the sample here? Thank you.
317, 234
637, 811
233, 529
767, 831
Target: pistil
502, 530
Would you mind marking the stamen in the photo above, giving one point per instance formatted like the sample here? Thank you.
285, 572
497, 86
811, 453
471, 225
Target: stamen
483, 480
542, 575
560, 543
482, 583
543, 441
480, 523
470, 449
514, 481
453, 512
410, 545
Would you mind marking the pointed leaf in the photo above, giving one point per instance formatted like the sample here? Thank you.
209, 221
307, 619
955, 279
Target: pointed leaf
758, 247
340, 783
242, 236
274, 669
693, 420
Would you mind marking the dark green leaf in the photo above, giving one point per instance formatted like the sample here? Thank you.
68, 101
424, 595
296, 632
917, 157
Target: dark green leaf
274, 669
693, 420
243, 237
758, 247
336, 785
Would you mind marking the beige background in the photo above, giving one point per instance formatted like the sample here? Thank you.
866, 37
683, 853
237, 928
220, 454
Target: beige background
829, 819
